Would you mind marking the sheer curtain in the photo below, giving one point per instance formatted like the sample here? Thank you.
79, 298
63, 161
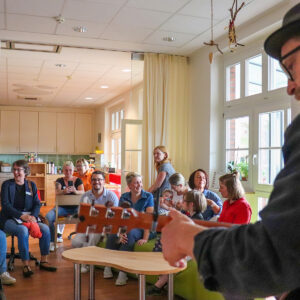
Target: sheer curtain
165, 113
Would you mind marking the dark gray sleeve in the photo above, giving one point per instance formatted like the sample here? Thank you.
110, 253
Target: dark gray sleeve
259, 259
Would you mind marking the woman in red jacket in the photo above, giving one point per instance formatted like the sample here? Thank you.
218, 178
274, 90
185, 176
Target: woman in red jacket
236, 209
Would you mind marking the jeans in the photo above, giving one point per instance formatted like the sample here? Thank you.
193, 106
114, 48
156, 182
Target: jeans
133, 236
2, 252
63, 211
21, 232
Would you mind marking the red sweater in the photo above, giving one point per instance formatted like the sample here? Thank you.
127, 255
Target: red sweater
238, 212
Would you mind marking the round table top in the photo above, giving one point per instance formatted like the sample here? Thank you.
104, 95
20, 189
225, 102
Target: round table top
146, 263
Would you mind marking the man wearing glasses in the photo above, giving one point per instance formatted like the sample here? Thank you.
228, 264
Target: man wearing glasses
97, 195
261, 259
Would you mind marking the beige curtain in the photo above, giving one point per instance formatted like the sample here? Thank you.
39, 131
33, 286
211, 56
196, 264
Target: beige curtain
165, 112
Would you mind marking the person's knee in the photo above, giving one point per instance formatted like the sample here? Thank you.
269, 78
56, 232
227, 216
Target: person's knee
22, 231
50, 216
44, 229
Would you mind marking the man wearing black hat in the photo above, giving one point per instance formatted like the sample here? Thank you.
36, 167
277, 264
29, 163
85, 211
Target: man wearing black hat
260, 259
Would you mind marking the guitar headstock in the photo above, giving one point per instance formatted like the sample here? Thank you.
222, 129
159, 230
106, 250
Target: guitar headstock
105, 220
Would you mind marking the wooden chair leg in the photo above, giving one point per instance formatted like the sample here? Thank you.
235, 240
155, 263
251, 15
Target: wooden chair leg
55, 235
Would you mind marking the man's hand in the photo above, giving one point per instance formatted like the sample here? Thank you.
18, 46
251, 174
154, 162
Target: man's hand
141, 242
178, 238
123, 238
28, 218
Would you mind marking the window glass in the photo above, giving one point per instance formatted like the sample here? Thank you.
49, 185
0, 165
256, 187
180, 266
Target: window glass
277, 78
113, 121
233, 79
253, 75
270, 159
117, 121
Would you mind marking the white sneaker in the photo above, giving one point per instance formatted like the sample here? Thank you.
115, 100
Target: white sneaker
59, 240
122, 278
107, 273
7, 279
51, 249
84, 268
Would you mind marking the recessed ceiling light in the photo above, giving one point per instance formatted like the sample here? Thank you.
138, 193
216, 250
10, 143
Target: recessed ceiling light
126, 70
169, 38
88, 98
60, 65
80, 29
104, 86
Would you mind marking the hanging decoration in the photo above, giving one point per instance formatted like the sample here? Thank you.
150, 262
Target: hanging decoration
231, 29
212, 42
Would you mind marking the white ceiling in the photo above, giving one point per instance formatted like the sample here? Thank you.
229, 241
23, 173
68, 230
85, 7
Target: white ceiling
127, 25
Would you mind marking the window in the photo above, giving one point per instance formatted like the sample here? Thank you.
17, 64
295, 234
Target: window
270, 142
277, 78
256, 113
237, 145
233, 82
115, 148
254, 75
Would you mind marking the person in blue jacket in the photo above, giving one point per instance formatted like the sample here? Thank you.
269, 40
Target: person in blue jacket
20, 203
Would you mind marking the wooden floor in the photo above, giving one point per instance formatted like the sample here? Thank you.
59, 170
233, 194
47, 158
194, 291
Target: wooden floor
46, 285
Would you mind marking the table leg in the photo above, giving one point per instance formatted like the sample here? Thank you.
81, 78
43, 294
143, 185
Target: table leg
92, 283
77, 282
170, 287
142, 282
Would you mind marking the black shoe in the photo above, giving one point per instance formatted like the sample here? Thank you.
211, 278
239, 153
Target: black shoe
153, 290
44, 265
27, 272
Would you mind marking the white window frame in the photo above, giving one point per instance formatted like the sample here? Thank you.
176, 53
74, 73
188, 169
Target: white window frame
252, 106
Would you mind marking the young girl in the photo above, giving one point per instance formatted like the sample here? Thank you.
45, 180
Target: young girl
194, 204
165, 202
236, 209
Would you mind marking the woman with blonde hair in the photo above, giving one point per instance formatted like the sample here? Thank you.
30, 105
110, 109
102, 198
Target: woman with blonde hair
164, 170
236, 209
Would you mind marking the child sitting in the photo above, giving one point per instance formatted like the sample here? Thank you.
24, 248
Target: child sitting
165, 202
194, 204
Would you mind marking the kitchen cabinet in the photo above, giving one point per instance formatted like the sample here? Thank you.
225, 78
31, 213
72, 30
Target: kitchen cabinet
65, 133
29, 131
9, 131
83, 133
47, 132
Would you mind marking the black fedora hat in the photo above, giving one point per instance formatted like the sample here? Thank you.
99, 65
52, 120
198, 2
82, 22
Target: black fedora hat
290, 28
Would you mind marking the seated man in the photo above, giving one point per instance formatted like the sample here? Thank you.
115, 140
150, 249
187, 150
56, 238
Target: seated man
97, 195
141, 201
5, 278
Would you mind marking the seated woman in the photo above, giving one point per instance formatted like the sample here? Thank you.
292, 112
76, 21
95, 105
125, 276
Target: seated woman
199, 181
84, 172
68, 185
20, 203
194, 205
141, 201
236, 209
5, 278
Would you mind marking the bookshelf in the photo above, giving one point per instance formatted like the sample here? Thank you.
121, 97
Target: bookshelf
38, 176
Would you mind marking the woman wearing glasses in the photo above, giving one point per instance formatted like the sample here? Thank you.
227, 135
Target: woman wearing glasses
21, 205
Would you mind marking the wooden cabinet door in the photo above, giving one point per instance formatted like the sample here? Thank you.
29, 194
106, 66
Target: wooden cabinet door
9, 131
83, 133
47, 132
29, 131
65, 133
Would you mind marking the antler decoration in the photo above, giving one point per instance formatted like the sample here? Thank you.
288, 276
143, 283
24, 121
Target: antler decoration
212, 42
231, 30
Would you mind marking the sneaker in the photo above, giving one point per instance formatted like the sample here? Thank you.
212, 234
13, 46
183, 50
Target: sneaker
122, 278
7, 279
84, 268
107, 273
51, 249
59, 240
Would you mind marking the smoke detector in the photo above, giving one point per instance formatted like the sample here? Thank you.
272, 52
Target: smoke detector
60, 19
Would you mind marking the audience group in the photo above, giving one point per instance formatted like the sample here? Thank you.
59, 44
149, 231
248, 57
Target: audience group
21, 208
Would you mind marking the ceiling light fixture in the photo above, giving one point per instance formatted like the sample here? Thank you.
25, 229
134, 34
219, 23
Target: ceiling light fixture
60, 65
104, 86
80, 29
88, 98
126, 70
169, 38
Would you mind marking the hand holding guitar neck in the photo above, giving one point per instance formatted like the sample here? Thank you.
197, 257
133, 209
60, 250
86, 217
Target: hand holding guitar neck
118, 220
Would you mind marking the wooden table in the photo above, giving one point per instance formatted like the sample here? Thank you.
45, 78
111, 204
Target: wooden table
142, 263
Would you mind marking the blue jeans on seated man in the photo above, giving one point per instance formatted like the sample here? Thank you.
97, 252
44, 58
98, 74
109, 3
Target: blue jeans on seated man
133, 236
2, 252
21, 232
63, 211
